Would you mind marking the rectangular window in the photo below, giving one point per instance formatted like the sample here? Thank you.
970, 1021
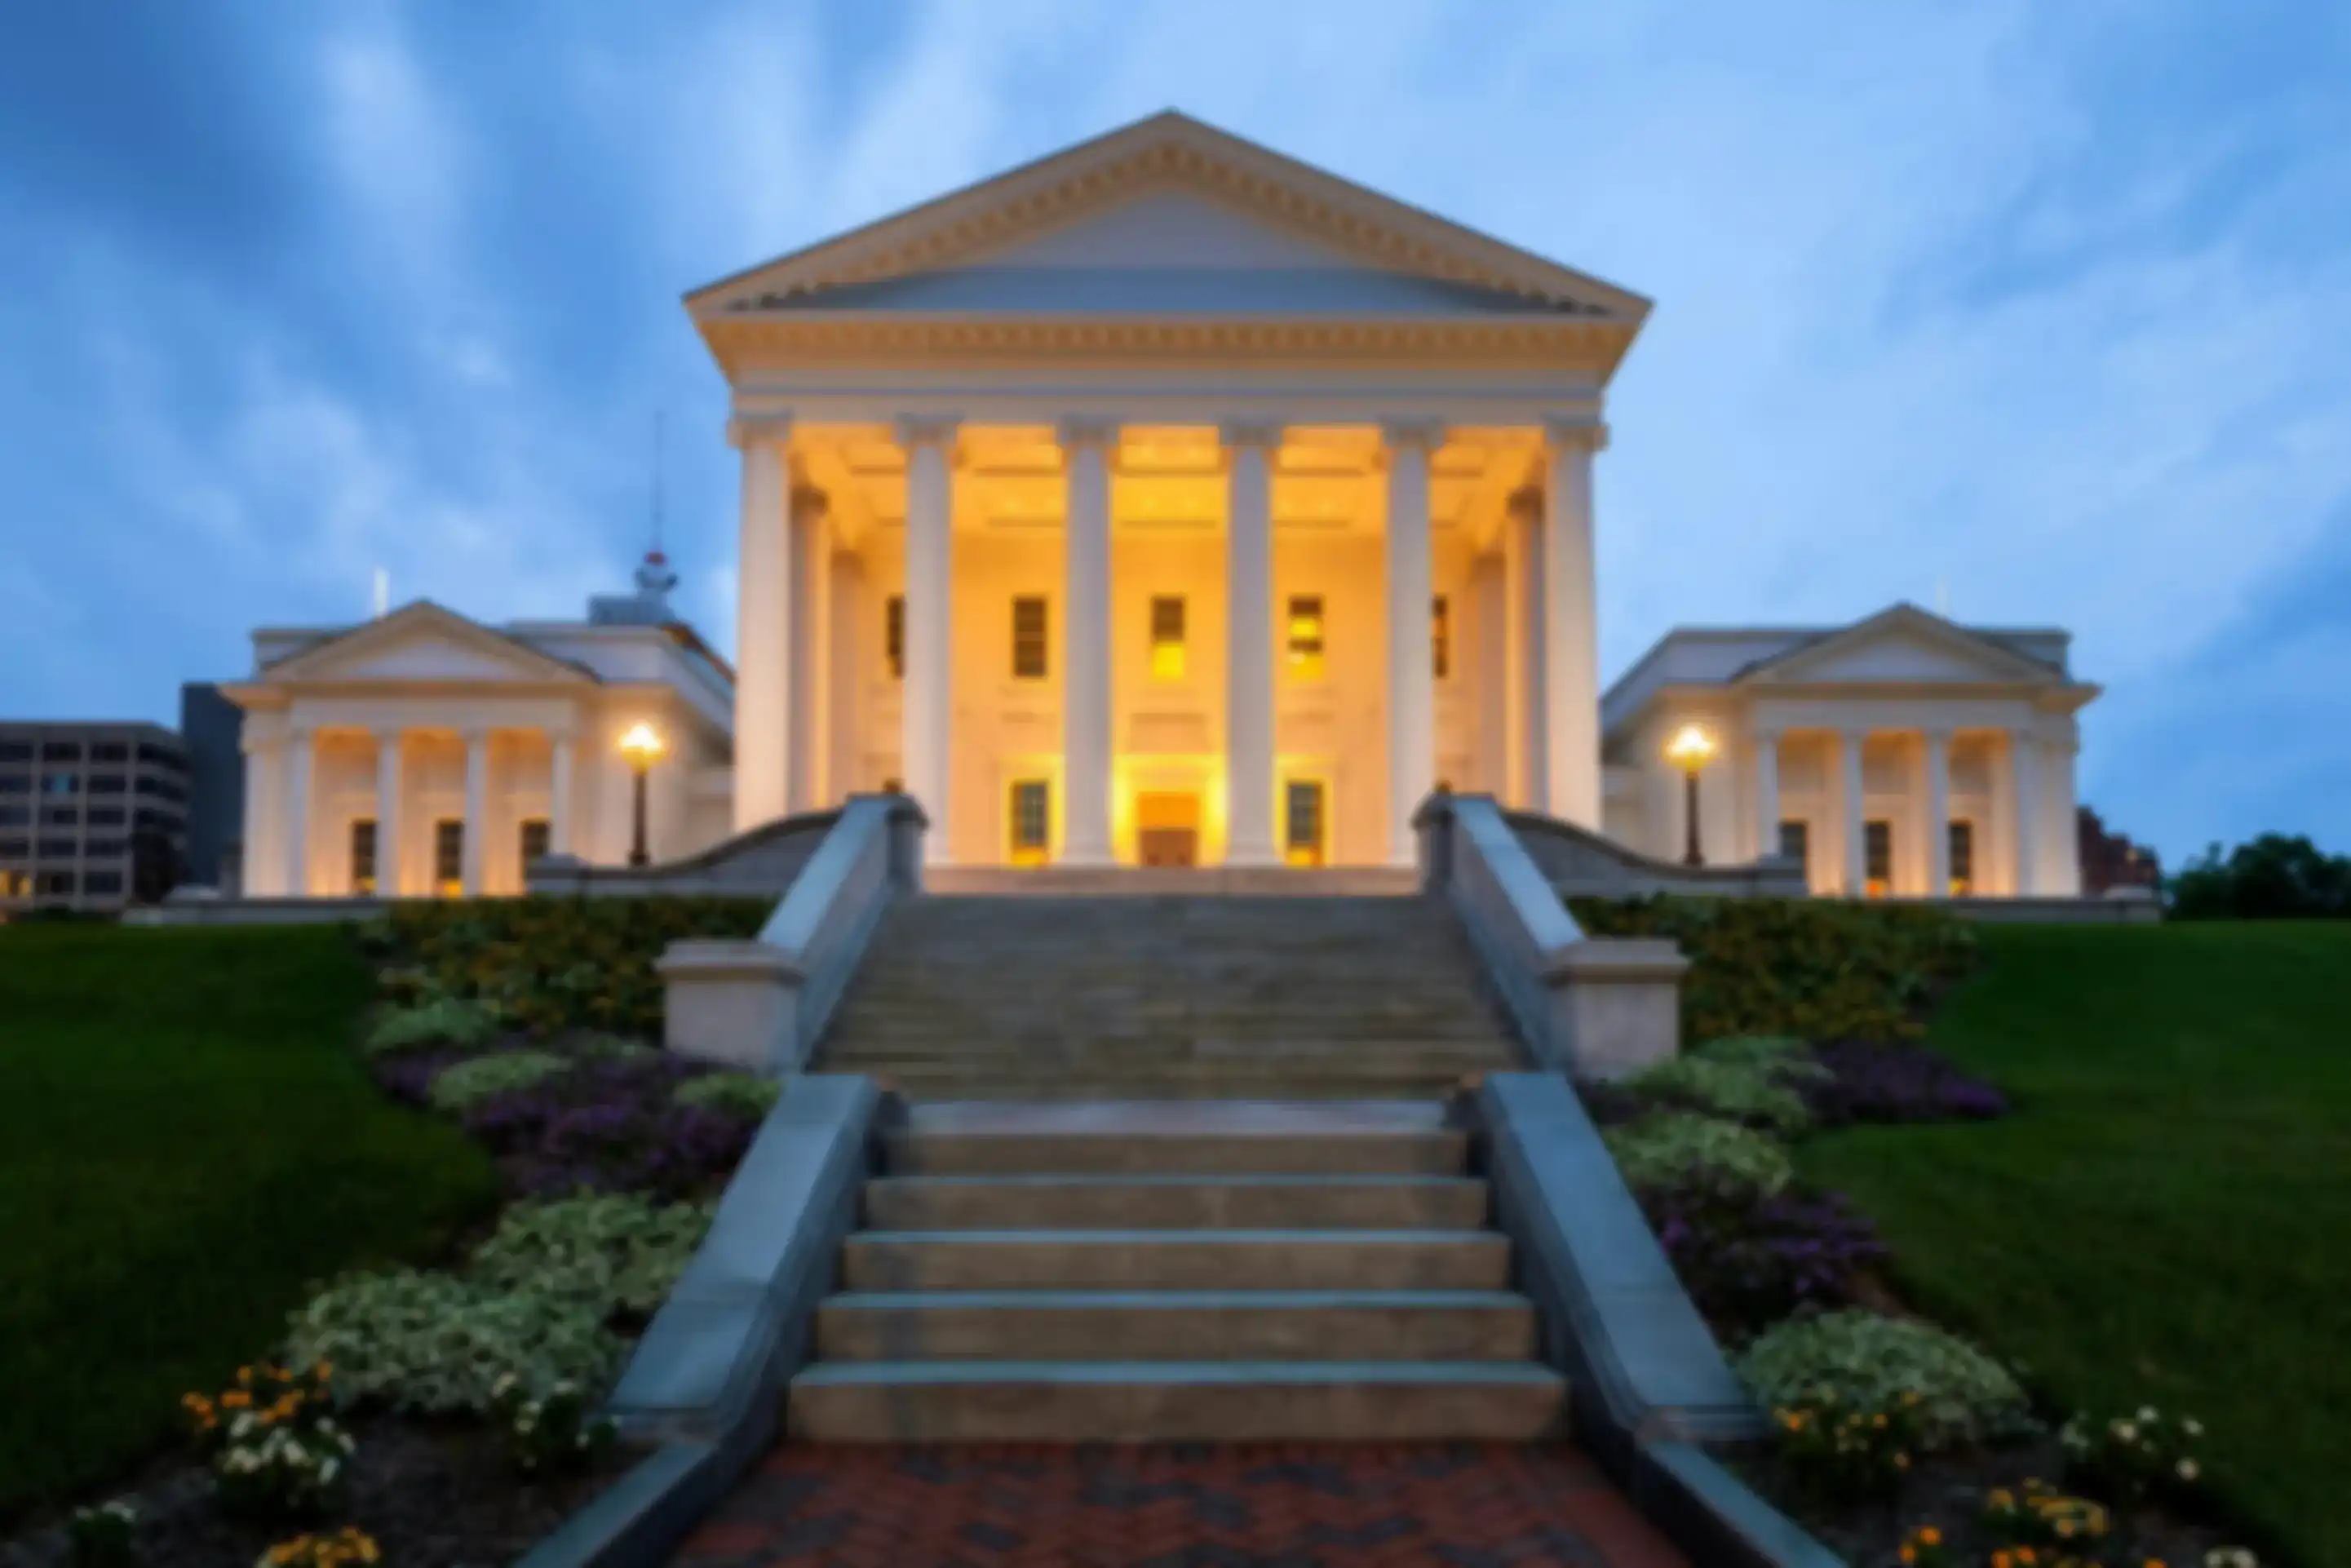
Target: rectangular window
1963, 858
894, 635
1028, 638
58, 783
19, 815
161, 756
1305, 636
58, 850
60, 817
15, 883
15, 751
99, 816
364, 855
1796, 843
1301, 821
102, 882
109, 751
107, 783
15, 784
61, 751
1167, 637
449, 857
1877, 858
1032, 821
103, 848
16, 849
1440, 637
535, 841
57, 883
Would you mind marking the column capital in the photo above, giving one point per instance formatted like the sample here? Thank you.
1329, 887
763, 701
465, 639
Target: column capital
1526, 503
1265, 433
1087, 430
745, 431
1576, 432
928, 430
1423, 434
809, 502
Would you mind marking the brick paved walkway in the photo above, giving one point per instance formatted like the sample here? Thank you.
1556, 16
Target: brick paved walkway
1243, 1506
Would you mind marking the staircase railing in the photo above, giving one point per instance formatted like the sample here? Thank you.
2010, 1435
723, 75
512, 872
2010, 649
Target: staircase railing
1591, 1007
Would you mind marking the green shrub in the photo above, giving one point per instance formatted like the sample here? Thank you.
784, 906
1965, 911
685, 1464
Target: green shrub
1869, 1361
1844, 1453
609, 1253
1662, 1149
437, 1344
550, 1433
611, 1047
745, 1093
1816, 969
104, 1536
1784, 1057
1733, 1090
554, 963
466, 1084
445, 1021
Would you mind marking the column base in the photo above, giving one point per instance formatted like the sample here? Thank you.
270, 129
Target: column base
1252, 857
1085, 857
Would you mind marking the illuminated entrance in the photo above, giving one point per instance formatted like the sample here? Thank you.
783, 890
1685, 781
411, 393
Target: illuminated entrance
1167, 827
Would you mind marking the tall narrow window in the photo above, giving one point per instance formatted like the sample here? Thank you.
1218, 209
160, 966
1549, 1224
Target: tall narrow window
1167, 637
364, 855
1032, 821
449, 857
534, 844
1028, 638
894, 635
1301, 822
1877, 858
1796, 843
1440, 637
1305, 636
1963, 858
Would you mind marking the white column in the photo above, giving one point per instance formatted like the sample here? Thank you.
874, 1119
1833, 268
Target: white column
2025, 751
811, 552
1412, 685
560, 767
1852, 804
2065, 874
477, 809
1523, 651
1249, 645
1085, 643
929, 703
1767, 792
256, 872
294, 802
387, 813
1571, 628
1938, 813
762, 627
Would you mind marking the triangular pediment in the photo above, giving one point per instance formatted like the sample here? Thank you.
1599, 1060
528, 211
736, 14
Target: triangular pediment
422, 644
1168, 216
1903, 645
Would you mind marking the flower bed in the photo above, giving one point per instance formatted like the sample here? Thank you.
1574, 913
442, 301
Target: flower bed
446, 1416
1895, 1442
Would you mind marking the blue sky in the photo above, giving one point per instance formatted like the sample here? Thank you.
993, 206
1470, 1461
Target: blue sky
2044, 306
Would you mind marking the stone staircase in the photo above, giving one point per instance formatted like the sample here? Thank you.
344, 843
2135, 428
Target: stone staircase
1160, 996
1176, 1272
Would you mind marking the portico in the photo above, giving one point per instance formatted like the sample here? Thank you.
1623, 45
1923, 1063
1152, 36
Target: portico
1167, 501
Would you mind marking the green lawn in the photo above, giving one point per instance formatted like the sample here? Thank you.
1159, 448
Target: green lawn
2168, 1217
186, 1141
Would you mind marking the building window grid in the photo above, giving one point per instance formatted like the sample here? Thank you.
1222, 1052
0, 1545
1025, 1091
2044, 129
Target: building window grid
1304, 639
363, 842
449, 856
1028, 637
1795, 843
894, 636
1032, 821
1878, 857
1440, 638
1961, 838
533, 840
1167, 640
1301, 822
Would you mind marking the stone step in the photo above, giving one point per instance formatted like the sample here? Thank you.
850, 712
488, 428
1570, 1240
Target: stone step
925, 1086
1176, 1325
1063, 1401
1130, 1260
1175, 1203
1433, 1153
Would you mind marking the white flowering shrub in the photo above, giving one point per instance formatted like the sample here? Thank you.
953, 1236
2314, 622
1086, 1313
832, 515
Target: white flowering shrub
282, 1469
1784, 1057
464, 1084
549, 1432
2134, 1456
745, 1093
105, 1536
1869, 1361
439, 1343
445, 1021
1662, 1149
1734, 1090
606, 1253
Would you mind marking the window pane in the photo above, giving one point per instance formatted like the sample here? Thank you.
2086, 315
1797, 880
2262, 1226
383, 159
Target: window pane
1305, 636
1878, 855
364, 855
1167, 652
1795, 843
1440, 637
1028, 638
1032, 821
449, 855
1963, 857
894, 636
534, 842
1301, 821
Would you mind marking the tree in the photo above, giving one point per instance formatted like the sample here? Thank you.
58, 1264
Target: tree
2274, 877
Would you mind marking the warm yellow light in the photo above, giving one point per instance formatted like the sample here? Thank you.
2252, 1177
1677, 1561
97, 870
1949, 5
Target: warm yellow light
642, 745
1692, 748
1167, 661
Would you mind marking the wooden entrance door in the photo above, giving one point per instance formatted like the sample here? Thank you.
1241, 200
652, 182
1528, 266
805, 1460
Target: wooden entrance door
1167, 827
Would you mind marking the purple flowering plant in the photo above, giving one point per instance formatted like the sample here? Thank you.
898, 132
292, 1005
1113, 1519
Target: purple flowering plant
611, 1126
1748, 1259
1867, 1082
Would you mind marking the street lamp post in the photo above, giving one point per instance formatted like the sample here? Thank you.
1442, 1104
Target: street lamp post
1691, 749
642, 746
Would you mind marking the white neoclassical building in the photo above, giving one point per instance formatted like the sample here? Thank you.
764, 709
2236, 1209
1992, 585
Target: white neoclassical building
422, 753
1163, 502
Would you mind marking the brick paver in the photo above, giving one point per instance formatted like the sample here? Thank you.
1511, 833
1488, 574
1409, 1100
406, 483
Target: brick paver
1182, 1506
